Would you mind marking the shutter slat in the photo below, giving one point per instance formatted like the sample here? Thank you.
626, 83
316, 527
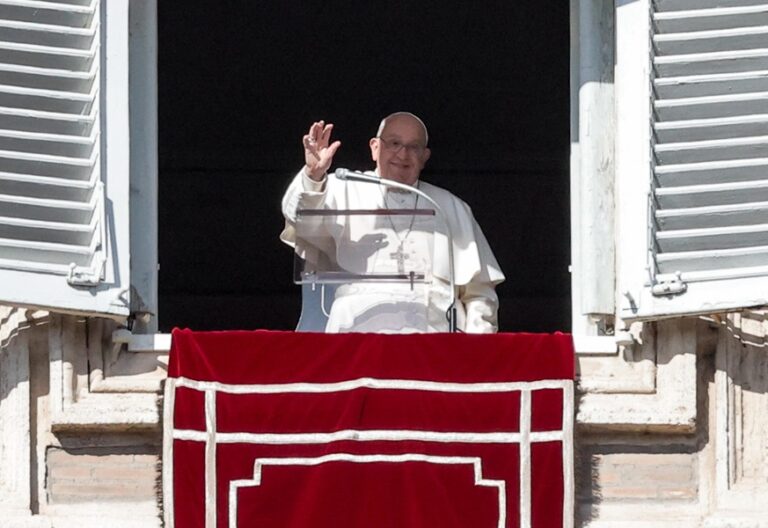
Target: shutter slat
54, 190
58, 14
687, 5
687, 86
46, 209
724, 263
42, 136
713, 216
48, 28
711, 63
52, 144
711, 18
710, 152
48, 166
712, 194
739, 38
49, 253
46, 93
35, 120
14, 178
36, 114
714, 150
62, 5
713, 128
41, 49
711, 107
40, 158
46, 78
742, 236
712, 172
48, 72
42, 231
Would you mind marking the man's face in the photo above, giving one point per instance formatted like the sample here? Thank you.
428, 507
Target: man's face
400, 151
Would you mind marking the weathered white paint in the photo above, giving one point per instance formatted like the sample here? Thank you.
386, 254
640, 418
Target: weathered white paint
37, 272
14, 415
705, 297
596, 157
579, 324
633, 163
590, 163
708, 217
116, 147
143, 163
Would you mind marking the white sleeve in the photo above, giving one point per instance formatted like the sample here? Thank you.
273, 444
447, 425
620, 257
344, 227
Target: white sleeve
303, 193
481, 305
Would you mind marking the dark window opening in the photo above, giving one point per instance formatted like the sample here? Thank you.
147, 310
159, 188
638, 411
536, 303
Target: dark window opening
240, 84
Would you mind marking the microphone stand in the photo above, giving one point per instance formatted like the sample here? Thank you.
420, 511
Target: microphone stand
348, 175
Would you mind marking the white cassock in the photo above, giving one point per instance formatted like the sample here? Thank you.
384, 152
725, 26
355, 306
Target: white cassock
400, 308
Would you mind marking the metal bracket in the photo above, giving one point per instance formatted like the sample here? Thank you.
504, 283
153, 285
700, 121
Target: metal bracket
673, 286
79, 276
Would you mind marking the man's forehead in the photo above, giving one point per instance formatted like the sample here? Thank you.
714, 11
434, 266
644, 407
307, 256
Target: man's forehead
403, 127
404, 120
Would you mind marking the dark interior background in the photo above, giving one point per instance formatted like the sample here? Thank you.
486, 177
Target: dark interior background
240, 82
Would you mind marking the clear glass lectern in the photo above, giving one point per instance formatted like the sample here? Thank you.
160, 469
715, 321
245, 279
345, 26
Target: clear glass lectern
364, 270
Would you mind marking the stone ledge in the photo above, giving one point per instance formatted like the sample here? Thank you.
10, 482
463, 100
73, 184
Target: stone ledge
30, 521
118, 412
736, 520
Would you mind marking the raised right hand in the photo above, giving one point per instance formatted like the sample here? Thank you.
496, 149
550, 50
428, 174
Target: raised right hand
318, 154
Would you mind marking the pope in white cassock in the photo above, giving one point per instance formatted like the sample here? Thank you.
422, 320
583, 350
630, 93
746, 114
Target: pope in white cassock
400, 152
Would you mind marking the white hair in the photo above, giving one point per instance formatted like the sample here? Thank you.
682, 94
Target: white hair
403, 114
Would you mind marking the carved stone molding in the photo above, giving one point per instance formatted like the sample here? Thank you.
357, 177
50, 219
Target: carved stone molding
649, 386
741, 427
14, 413
98, 384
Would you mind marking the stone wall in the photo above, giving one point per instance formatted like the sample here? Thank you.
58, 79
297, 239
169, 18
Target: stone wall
711, 475
80, 425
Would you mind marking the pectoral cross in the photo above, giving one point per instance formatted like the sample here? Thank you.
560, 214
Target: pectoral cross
399, 256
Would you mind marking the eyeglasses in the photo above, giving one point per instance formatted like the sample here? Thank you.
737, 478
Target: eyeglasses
395, 145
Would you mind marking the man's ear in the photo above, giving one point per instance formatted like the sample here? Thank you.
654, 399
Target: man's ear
425, 156
375, 146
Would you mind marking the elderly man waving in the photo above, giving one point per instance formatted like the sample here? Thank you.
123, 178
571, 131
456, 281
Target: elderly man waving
400, 152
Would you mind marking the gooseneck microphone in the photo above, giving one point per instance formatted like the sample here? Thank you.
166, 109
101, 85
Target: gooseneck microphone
355, 176
348, 175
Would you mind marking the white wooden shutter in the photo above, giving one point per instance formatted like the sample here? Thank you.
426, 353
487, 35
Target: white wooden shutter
708, 210
63, 205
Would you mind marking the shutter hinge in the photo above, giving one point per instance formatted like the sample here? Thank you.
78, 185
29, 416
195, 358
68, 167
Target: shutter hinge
80, 276
673, 286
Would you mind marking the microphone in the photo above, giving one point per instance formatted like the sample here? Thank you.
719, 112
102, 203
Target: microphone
349, 175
